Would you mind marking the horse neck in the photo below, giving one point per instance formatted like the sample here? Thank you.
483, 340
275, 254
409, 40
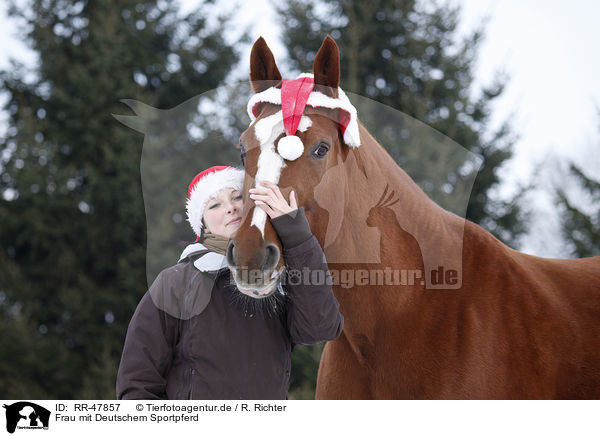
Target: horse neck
368, 170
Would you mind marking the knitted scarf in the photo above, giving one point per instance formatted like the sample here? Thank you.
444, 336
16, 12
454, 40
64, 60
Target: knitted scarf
215, 243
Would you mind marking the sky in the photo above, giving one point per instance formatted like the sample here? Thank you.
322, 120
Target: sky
549, 51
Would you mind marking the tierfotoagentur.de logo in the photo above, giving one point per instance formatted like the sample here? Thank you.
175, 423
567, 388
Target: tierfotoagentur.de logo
26, 415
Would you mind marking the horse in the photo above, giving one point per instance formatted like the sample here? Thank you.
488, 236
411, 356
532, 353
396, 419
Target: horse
474, 319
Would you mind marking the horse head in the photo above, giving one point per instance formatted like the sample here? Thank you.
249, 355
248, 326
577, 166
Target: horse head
301, 131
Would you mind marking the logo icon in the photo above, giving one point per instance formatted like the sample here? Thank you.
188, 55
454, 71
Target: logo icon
26, 415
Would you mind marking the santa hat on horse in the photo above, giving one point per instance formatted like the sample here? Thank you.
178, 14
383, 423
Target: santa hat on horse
293, 97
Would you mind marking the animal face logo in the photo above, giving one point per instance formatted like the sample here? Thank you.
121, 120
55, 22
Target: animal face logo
311, 142
174, 151
26, 415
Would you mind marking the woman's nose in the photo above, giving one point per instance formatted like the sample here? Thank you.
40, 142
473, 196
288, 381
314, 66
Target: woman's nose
231, 207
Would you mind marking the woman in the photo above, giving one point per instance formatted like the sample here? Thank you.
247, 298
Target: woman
194, 336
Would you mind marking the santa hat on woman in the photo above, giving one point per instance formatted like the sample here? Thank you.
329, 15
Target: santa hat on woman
205, 186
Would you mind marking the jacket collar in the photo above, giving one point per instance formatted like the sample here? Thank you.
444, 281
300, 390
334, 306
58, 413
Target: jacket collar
209, 261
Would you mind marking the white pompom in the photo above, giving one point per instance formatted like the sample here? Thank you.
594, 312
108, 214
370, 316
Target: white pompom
290, 147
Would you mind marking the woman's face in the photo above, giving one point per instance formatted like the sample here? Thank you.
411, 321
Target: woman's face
223, 213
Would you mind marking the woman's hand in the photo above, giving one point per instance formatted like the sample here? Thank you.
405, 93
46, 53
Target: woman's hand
269, 198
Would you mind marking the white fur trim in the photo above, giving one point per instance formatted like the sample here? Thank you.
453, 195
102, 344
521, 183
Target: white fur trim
305, 123
315, 99
207, 188
269, 128
290, 147
269, 95
351, 135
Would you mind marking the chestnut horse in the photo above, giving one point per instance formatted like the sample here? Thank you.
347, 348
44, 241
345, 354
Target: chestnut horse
505, 325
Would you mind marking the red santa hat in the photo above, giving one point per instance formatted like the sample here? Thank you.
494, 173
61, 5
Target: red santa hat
293, 97
205, 186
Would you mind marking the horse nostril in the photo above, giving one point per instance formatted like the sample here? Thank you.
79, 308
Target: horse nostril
229, 255
271, 258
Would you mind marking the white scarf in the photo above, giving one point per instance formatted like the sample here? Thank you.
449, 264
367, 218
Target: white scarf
210, 261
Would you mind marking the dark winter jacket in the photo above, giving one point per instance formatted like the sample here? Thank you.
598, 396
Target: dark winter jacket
206, 340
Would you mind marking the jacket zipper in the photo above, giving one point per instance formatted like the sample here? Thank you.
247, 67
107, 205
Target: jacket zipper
191, 390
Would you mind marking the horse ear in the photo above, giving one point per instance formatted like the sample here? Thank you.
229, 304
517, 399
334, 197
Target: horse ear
263, 70
326, 68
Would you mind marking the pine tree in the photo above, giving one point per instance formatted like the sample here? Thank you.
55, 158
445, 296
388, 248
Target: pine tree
580, 228
407, 55
72, 239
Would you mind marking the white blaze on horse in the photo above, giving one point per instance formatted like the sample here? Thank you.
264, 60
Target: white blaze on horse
473, 319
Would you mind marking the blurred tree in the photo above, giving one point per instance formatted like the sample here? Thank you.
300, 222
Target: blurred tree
73, 233
305, 365
408, 55
580, 228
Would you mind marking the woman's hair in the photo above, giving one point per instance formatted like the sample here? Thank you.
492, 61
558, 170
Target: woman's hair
204, 230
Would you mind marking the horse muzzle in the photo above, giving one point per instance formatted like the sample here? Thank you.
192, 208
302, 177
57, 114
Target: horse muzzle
256, 276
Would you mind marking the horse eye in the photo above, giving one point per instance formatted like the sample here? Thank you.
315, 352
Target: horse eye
321, 151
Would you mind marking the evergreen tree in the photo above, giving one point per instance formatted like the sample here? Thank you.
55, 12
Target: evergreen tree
407, 55
72, 239
580, 228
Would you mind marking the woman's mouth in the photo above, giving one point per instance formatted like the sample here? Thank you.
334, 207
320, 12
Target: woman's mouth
235, 221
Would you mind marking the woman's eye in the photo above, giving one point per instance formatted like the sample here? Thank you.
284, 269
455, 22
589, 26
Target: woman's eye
239, 197
214, 206
321, 151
